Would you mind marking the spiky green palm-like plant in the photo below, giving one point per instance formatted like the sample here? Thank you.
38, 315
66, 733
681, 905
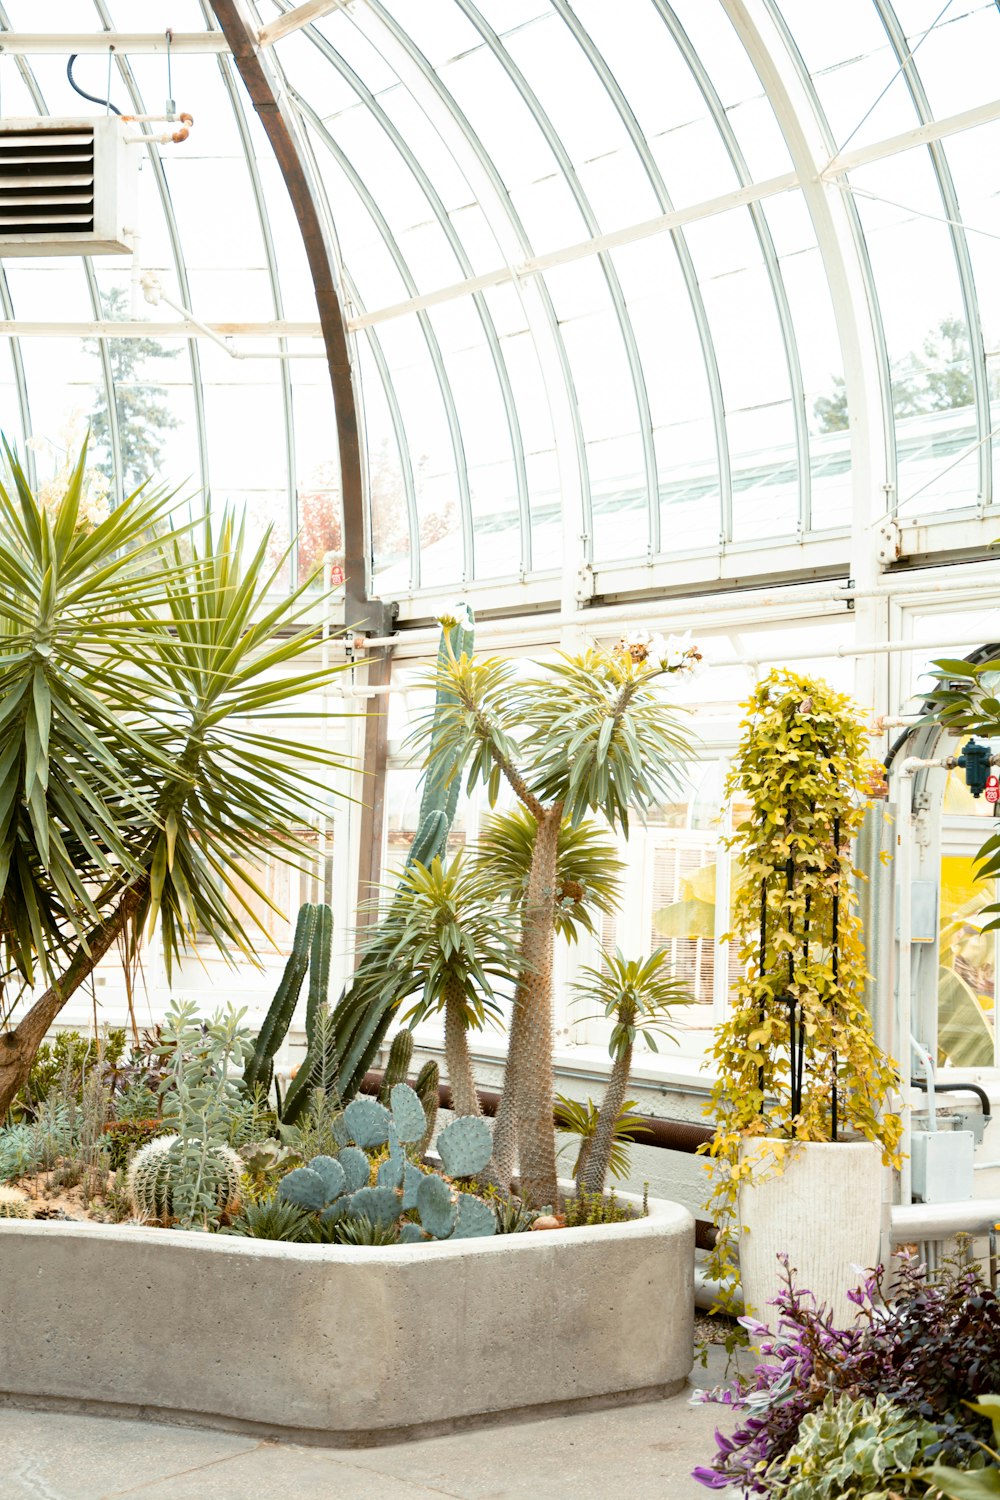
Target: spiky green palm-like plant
441, 939
591, 733
142, 667
638, 994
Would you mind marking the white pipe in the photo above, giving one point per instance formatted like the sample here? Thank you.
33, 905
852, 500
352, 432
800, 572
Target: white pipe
925, 1058
939, 1221
904, 1019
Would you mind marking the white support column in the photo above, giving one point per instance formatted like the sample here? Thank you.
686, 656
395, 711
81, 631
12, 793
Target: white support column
794, 105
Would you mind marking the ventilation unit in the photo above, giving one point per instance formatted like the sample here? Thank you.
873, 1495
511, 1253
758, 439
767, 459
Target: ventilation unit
67, 187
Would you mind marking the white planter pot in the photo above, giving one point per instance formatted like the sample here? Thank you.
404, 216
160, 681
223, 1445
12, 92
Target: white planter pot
823, 1210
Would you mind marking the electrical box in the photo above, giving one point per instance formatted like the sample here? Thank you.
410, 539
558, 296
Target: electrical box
67, 186
941, 1165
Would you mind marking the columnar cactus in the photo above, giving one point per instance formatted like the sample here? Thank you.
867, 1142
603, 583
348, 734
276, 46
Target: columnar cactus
153, 1175
427, 1089
397, 1064
260, 1068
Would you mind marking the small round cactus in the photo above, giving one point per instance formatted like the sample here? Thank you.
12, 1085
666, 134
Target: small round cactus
153, 1172
12, 1206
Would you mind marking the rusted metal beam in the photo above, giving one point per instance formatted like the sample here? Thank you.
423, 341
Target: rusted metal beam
375, 760
283, 134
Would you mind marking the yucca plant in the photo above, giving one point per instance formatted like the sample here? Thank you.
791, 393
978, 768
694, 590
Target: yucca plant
638, 994
591, 734
140, 666
440, 938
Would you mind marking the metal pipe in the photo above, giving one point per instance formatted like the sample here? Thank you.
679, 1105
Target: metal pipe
904, 1019
927, 1082
939, 1221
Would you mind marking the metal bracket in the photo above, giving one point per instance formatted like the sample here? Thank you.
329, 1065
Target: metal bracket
585, 585
889, 541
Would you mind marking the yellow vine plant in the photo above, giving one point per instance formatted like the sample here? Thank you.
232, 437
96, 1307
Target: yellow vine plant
797, 1059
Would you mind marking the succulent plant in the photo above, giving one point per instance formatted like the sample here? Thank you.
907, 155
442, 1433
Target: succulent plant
260, 1067
397, 1064
12, 1206
153, 1176
275, 1220
335, 1192
427, 1089
465, 1146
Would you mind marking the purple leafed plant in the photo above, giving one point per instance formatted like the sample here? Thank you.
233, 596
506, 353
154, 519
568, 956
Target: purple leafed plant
930, 1344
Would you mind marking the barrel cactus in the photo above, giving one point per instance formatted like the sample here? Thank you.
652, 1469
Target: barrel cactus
153, 1175
12, 1206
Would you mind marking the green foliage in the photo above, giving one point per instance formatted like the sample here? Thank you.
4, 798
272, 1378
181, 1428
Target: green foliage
853, 1450
588, 870
584, 1209
125, 1137
321, 1066
427, 1089
22, 1151
65, 1061
141, 413
440, 937
275, 1219
397, 1064
803, 765
937, 379
465, 1146
199, 1094
580, 1120
185, 1182
637, 993
969, 1484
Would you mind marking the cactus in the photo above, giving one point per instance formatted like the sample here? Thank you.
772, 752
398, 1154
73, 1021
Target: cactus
260, 1068
363, 1016
153, 1173
476, 1219
408, 1116
398, 1064
319, 966
306, 1189
320, 1067
381, 1205
436, 1207
427, 1089
356, 1167
465, 1146
12, 1206
368, 1122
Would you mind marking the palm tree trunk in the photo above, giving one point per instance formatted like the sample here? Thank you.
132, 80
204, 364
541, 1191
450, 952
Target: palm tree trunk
18, 1047
464, 1097
529, 1056
595, 1169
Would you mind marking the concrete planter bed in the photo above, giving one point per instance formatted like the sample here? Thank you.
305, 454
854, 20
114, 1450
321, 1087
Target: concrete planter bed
344, 1345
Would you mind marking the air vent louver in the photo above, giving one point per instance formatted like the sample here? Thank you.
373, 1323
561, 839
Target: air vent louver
67, 187
47, 182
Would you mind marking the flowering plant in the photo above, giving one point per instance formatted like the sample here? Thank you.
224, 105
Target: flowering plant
934, 1345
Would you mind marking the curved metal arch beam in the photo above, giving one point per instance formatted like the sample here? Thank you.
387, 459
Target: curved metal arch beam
156, 166
104, 354
400, 52
556, 146
458, 250
423, 318
20, 382
285, 374
280, 128
794, 104
959, 244
860, 245
765, 240
684, 258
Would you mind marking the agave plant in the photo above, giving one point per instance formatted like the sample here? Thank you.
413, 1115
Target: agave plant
638, 994
141, 669
592, 733
440, 938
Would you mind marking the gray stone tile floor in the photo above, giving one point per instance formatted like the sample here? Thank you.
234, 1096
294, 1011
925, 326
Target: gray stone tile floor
643, 1452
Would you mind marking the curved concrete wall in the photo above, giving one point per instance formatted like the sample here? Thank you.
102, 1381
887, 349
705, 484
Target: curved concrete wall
343, 1344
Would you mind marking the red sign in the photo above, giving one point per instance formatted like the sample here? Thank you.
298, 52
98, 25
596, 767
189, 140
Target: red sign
992, 789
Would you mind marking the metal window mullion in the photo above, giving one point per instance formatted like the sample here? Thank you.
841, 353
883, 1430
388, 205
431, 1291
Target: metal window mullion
555, 144
173, 233
465, 265
494, 190
402, 444
959, 244
423, 319
682, 251
20, 382
861, 249
288, 409
770, 255
104, 354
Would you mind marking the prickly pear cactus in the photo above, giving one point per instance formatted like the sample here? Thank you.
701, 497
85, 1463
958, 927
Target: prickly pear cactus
465, 1146
153, 1174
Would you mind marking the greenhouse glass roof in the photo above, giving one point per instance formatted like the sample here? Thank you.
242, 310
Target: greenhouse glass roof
621, 282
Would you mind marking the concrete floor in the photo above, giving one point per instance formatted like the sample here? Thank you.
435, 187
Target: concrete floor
645, 1452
